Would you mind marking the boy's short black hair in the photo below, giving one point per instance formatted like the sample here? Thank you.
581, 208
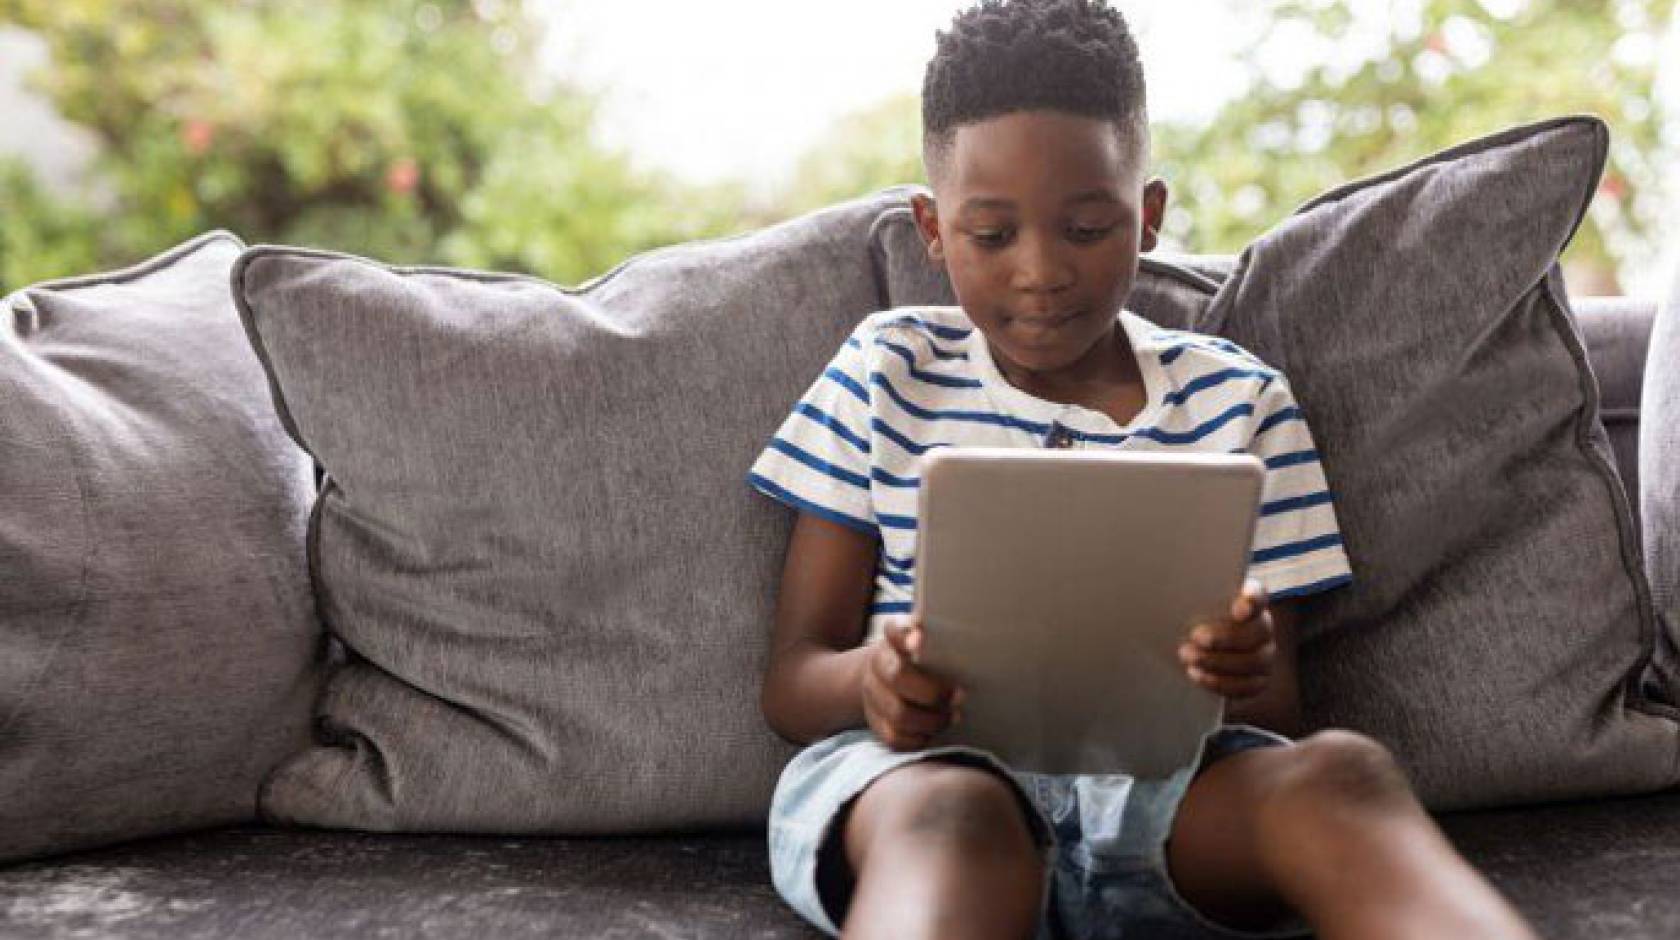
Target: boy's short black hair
1001, 56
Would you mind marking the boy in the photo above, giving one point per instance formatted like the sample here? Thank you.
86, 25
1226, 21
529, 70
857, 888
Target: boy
1035, 142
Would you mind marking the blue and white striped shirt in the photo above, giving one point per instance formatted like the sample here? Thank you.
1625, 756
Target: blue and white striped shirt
913, 379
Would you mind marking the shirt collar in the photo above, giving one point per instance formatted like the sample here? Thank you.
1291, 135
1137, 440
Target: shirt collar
1145, 339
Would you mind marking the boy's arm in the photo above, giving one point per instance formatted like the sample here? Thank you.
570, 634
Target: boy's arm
1278, 708
813, 679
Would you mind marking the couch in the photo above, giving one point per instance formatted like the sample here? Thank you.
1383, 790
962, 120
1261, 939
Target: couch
670, 851
1586, 869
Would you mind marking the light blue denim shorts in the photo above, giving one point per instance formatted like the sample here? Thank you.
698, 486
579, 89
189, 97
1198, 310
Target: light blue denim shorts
1103, 837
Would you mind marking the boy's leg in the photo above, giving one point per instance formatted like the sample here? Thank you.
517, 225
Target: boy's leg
942, 850
1331, 829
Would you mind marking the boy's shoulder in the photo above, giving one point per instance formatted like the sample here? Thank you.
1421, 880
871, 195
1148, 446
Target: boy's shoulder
922, 336
915, 337
933, 324
1201, 353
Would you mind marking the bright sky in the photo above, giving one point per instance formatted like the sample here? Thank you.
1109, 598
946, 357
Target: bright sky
740, 88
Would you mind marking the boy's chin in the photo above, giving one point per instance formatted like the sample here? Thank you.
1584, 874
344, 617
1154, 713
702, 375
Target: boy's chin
1048, 351
1041, 359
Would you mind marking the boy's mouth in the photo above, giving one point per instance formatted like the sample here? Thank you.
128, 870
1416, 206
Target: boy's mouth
1040, 323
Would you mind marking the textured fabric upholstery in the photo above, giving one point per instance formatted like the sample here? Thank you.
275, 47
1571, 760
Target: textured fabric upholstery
158, 639
536, 539
1499, 632
1500, 627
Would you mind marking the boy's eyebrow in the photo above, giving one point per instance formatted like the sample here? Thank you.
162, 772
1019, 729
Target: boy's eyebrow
995, 202
1094, 195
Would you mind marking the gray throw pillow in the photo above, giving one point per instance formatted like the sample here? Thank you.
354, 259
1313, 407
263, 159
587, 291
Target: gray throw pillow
536, 539
158, 639
1500, 627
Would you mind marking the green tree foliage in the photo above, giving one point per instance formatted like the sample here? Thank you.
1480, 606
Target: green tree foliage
40, 236
1390, 82
414, 130
878, 146
1324, 109
409, 130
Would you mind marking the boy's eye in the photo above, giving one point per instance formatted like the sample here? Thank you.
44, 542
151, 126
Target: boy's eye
989, 237
1082, 233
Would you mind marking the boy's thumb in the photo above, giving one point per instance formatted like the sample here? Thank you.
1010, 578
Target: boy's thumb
899, 633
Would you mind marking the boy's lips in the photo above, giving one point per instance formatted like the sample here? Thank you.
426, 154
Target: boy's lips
1038, 322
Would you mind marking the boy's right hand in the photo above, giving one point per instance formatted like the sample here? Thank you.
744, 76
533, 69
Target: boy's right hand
904, 704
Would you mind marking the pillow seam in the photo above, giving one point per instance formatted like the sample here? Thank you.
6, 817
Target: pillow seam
1559, 317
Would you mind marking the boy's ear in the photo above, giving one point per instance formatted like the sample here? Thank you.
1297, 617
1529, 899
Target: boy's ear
1154, 212
926, 211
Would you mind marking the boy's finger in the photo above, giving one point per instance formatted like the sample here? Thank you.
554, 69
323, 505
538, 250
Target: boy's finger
913, 640
905, 635
914, 719
1233, 636
1242, 608
1255, 663
1228, 686
888, 711
905, 679
923, 688
902, 742
897, 634
1249, 601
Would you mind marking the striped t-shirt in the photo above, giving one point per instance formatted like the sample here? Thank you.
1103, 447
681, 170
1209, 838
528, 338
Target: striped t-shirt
914, 379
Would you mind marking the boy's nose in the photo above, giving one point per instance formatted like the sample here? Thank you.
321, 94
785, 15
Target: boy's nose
1040, 266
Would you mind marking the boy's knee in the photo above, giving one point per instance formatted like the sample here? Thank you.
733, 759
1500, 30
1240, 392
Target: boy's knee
954, 805
1336, 770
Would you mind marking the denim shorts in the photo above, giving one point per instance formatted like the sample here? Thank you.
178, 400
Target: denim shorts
1103, 837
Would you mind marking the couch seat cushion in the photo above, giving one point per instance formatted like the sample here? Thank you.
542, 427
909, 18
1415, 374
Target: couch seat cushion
1578, 871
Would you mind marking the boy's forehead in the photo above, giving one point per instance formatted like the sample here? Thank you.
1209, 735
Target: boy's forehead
1041, 151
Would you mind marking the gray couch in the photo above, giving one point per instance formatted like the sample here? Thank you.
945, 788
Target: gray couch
1593, 869
1579, 871
637, 716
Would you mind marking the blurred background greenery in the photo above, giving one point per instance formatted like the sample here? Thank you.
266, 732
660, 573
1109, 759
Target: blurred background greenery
423, 131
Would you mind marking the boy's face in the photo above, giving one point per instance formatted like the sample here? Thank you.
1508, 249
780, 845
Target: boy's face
1038, 217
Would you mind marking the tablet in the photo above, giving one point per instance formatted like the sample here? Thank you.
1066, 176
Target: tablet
1056, 586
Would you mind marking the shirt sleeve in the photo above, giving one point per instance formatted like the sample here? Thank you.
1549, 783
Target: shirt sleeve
1297, 543
819, 459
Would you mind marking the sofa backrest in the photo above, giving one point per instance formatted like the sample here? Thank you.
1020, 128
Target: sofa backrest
1618, 332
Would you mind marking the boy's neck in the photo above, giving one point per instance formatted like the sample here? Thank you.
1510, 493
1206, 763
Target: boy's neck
1109, 369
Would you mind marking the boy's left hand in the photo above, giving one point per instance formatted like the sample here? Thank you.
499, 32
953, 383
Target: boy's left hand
1233, 656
